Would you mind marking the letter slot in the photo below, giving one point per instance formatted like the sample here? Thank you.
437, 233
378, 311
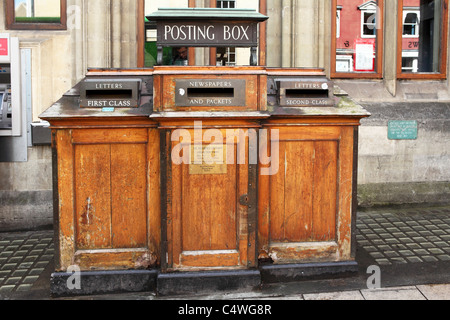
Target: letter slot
210, 93
110, 93
305, 93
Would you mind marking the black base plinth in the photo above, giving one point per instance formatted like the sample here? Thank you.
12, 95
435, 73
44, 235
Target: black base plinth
207, 282
191, 283
103, 282
307, 271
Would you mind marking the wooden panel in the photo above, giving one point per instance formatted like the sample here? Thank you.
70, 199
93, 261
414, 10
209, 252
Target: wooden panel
129, 194
304, 252
154, 193
209, 218
297, 133
65, 165
93, 196
114, 259
101, 136
303, 192
206, 225
298, 191
207, 259
344, 228
325, 191
277, 191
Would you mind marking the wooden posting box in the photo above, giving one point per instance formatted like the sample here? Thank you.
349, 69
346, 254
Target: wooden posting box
307, 200
205, 116
106, 175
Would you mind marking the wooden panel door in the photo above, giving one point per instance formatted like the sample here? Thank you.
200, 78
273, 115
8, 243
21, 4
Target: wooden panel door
309, 198
107, 175
207, 220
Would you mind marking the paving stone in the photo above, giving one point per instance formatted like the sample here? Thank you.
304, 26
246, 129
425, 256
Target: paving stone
414, 259
391, 254
41, 264
21, 253
444, 257
420, 251
345, 295
392, 241
403, 293
25, 265
4, 273
376, 255
435, 292
15, 259
30, 258
13, 280
19, 273
383, 262
427, 245
36, 271
24, 287
399, 247
435, 250
398, 260
9, 266
406, 252
7, 288
30, 279
429, 259
6, 253
370, 249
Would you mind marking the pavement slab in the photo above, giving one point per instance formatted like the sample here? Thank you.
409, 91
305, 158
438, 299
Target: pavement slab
410, 245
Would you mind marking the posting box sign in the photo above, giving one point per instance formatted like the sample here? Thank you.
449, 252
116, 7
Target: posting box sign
210, 93
194, 33
305, 93
110, 93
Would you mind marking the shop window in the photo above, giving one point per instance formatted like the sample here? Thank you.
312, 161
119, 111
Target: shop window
411, 23
357, 44
422, 46
368, 25
226, 56
36, 14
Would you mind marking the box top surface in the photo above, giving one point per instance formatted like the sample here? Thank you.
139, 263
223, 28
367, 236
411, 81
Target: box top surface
194, 14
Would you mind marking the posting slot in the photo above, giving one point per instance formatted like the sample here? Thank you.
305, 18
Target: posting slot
211, 92
110, 93
305, 93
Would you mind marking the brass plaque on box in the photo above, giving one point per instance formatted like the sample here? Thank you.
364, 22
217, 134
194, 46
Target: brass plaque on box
210, 93
208, 159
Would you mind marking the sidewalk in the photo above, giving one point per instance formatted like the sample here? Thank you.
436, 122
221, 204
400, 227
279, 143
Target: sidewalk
410, 245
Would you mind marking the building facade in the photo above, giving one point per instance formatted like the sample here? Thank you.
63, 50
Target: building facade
390, 56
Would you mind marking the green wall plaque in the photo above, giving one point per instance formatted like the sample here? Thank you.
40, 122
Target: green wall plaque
402, 130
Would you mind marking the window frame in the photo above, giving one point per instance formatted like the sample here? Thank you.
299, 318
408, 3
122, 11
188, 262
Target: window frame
405, 14
442, 74
378, 74
11, 24
363, 24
